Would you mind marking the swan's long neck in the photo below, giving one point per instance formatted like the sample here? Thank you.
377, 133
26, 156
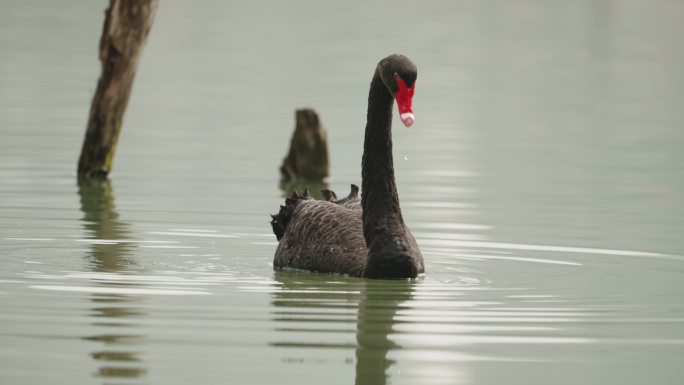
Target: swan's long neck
383, 224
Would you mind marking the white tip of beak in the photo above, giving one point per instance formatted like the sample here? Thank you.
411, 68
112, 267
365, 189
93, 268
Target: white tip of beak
407, 118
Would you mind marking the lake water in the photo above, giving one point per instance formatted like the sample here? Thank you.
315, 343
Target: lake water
543, 180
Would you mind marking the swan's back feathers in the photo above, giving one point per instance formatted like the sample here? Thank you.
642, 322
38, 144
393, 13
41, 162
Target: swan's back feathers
352, 198
324, 236
280, 221
329, 195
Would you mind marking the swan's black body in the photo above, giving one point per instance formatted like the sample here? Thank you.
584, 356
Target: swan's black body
361, 238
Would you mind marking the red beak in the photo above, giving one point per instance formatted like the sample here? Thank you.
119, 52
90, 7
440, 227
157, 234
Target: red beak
405, 102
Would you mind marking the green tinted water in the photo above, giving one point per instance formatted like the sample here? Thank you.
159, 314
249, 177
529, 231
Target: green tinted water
542, 179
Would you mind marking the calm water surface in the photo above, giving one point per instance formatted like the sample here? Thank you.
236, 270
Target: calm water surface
543, 179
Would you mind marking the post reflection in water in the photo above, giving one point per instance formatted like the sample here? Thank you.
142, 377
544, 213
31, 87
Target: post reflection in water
101, 222
308, 306
110, 254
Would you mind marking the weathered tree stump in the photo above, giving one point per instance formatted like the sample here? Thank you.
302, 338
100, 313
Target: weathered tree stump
127, 24
308, 155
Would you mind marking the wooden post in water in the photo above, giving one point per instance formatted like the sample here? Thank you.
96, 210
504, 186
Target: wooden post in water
306, 162
307, 158
127, 24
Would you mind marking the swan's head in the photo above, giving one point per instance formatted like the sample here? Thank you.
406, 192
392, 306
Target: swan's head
399, 75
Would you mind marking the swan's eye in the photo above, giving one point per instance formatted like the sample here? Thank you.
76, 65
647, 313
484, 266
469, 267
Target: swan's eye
396, 76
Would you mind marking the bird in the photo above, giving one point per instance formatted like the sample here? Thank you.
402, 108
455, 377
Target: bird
366, 236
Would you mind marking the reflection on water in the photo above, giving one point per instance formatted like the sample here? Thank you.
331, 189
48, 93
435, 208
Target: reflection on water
542, 180
111, 311
101, 222
303, 300
380, 301
307, 306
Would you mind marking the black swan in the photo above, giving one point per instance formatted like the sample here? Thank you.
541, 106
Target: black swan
366, 238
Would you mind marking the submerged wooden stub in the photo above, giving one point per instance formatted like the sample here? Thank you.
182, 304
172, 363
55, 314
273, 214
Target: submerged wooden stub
102, 222
308, 155
127, 24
